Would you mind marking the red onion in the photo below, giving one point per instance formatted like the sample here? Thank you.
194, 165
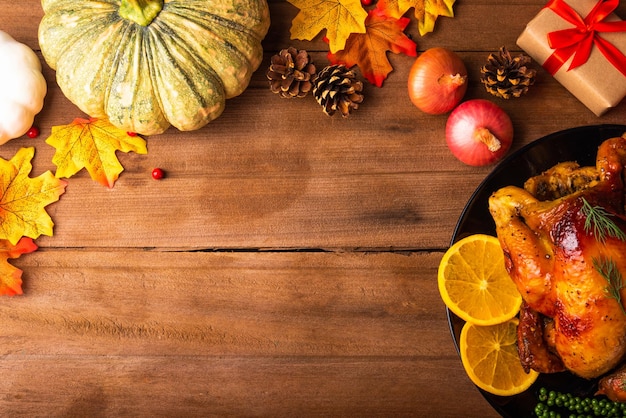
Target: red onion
437, 81
479, 132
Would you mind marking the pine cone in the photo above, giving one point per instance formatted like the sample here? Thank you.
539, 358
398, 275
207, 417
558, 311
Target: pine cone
506, 77
291, 73
337, 88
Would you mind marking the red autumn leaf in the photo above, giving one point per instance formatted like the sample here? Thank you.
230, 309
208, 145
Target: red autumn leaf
10, 276
369, 50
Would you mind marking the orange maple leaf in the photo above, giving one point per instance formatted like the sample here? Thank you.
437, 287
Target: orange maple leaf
23, 199
369, 50
11, 276
426, 11
339, 18
91, 144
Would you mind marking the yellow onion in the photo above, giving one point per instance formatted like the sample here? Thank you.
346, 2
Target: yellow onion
437, 81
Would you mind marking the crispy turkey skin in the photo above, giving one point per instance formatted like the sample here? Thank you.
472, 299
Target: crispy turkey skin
561, 265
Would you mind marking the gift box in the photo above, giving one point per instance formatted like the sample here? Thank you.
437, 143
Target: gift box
582, 44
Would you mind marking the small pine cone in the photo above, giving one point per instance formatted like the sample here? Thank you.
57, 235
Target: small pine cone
337, 88
506, 77
291, 73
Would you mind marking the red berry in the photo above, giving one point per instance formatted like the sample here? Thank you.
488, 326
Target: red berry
158, 174
33, 132
367, 3
131, 133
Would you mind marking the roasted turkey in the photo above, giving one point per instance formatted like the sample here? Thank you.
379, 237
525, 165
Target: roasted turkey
564, 241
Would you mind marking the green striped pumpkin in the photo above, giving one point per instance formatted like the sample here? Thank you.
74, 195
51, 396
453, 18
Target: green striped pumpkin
147, 65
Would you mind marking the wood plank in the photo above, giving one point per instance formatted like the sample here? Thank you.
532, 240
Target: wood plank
484, 24
204, 386
269, 333
300, 185
284, 303
382, 178
474, 18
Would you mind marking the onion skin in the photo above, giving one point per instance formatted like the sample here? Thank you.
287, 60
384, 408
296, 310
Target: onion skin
479, 132
437, 81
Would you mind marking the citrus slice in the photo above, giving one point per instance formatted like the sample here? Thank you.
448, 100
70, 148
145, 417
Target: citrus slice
491, 360
474, 283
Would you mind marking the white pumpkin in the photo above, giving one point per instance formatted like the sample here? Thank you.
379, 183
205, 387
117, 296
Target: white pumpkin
22, 88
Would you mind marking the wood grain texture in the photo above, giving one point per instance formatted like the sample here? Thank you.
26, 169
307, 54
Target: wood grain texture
204, 386
218, 302
229, 333
286, 265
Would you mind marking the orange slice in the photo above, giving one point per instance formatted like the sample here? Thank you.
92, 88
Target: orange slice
474, 284
491, 360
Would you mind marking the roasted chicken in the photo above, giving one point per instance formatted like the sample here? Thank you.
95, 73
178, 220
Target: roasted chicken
613, 385
535, 342
564, 241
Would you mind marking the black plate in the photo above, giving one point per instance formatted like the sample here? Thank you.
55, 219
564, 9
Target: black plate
576, 144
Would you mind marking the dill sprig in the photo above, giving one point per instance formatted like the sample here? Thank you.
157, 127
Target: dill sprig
607, 268
599, 221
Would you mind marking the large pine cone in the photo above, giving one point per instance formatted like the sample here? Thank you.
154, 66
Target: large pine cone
337, 88
505, 76
291, 73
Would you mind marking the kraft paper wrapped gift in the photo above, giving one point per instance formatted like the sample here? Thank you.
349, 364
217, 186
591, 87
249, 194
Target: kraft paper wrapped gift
599, 82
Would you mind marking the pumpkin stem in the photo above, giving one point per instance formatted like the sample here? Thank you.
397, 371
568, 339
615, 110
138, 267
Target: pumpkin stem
141, 12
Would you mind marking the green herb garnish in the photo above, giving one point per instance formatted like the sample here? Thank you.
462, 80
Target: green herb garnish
599, 221
608, 269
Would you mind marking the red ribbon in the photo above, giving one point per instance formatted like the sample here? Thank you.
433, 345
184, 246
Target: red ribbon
579, 40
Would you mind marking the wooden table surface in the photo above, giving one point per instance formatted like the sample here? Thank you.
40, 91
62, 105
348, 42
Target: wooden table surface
286, 266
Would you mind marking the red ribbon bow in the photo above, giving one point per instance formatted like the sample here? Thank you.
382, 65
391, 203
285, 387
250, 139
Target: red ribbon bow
579, 40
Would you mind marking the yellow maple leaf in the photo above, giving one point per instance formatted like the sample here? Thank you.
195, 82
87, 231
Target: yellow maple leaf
91, 144
11, 276
339, 18
426, 11
23, 199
